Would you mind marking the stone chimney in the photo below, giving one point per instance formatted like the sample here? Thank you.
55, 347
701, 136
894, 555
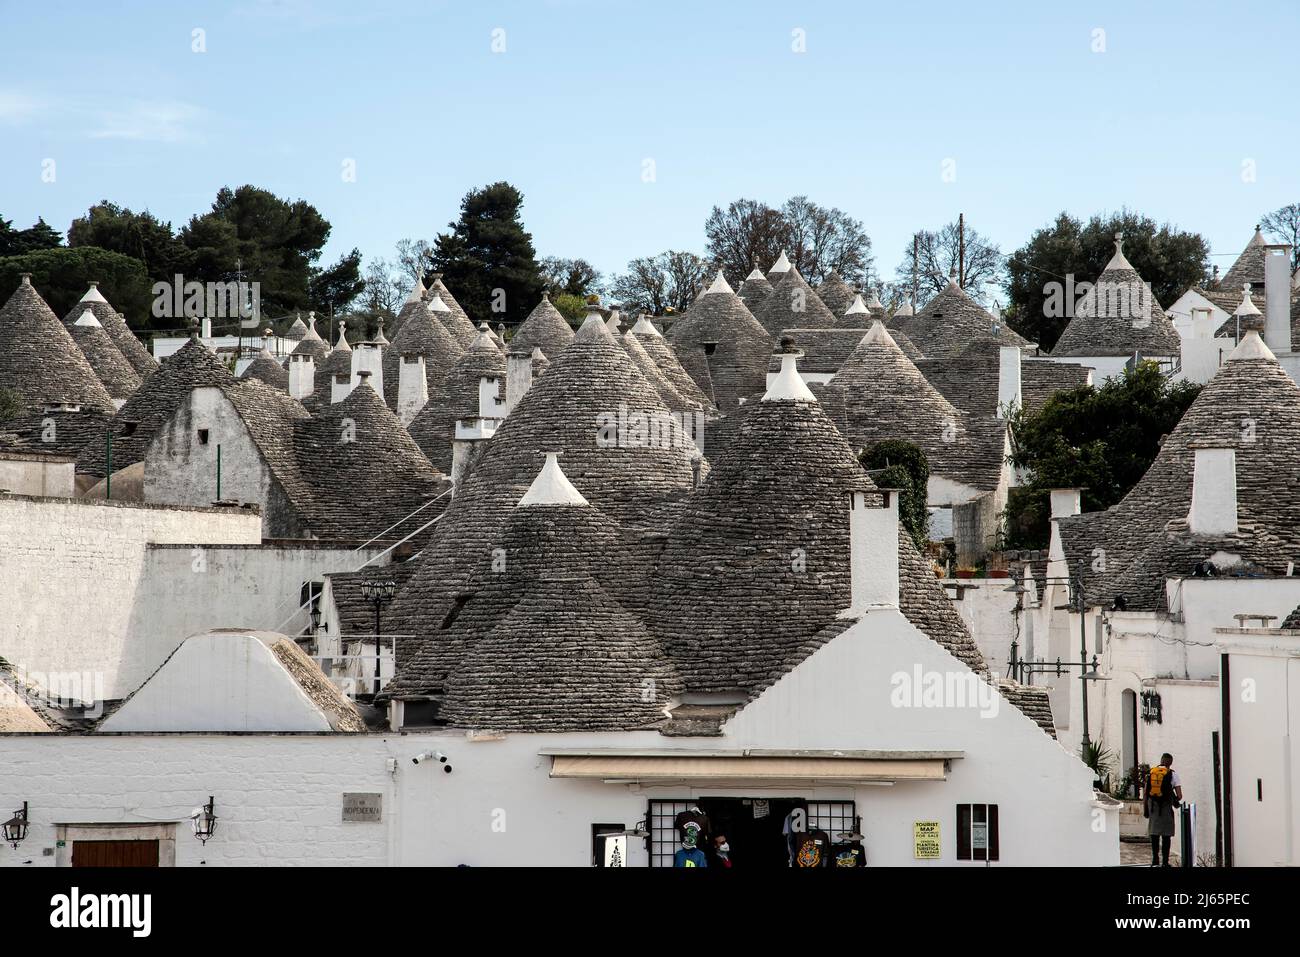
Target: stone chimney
412, 387
1214, 492
369, 357
302, 376
1277, 298
1202, 323
340, 387
519, 375
490, 403
873, 552
1008, 380
467, 446
1065, 502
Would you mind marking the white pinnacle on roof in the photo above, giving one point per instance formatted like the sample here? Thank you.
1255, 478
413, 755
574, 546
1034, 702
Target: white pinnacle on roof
720, 284
877, 333
343, 335
905, 309
551, 487
614, 321
782, 264
593, 319
93, 294
788, 383
874, 302
1247, 306
1251, 347
1258, 238
484, 340
644, 327
857, 307
757, 273
437, 305
1118, 261
417, 291
87, 317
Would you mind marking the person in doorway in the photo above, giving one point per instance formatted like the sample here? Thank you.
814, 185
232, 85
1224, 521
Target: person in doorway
1164, 792
722, 850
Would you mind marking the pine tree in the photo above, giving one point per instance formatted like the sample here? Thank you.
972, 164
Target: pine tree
487, 260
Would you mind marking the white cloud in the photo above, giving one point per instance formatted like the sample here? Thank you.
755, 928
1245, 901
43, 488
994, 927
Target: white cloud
156, 121
16, 107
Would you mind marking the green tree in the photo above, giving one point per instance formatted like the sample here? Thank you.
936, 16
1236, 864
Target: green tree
577, 277
571, 307
140, 235
275, 243
1101, 440
16, 242
1167, 258
487, 259
63, 275
895, 463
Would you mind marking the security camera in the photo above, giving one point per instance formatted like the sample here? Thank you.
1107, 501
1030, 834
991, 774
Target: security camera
429, 756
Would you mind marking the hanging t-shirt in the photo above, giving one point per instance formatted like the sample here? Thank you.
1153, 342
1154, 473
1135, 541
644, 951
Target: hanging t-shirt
690, 857
812, 849
692, 827
848, 854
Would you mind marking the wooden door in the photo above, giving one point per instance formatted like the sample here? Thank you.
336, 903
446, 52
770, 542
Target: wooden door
115, 853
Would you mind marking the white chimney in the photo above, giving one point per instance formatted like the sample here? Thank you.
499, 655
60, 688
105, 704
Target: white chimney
467, 444
302, 376
1202, 323
412, 387
369, 357
873, 552
1065, 502
1214, 493
340, 387
1277, 298
519, 376
490, 404
1008, 380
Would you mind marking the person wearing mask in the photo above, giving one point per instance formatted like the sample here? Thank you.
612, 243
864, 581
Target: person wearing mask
722, 850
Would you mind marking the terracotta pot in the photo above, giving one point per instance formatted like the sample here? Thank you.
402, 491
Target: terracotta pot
1000, 573
965, 573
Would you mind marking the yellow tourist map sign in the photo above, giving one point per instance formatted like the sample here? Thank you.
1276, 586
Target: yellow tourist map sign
925, 839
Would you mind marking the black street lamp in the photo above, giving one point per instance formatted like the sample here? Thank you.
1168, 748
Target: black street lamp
204, 821
378, 593
15, 829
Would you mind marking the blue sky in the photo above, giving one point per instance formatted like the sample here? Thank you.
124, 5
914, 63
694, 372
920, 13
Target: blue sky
288, 90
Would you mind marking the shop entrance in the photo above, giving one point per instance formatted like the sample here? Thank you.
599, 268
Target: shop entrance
754, 827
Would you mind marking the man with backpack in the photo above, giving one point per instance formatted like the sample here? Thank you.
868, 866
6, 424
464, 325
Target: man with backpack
1163, 793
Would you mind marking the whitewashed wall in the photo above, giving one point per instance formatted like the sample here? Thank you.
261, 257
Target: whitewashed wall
70, 571
988, 610
39, 475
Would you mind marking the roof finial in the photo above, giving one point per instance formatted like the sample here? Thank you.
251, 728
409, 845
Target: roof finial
26, 278
788, 384
551, 486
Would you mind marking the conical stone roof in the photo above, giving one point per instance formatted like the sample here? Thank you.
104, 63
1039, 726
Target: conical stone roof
836, 294
412, 302
456, 319
566, 657
433, 427
424, 333
1251, 406
722, 346
365, 471
667, 391
158, 397
658, 349
1248, 267
311, 344
267, 369
880, 394
756, 567
142, 361
338, 362
1118, 317
545, 327
754, 289
297, 330
951, 321
109, 364
39, 360
595, 407
794, 304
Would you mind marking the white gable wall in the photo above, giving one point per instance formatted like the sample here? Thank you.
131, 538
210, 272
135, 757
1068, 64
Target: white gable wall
841, 696
219, 682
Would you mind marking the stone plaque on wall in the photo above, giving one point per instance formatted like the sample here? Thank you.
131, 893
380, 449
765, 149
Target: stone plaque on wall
364, 808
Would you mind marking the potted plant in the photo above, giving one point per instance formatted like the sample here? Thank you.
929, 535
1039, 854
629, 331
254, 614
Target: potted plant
965, 572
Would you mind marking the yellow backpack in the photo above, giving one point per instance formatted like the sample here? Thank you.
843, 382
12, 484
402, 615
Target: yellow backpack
1156, 781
